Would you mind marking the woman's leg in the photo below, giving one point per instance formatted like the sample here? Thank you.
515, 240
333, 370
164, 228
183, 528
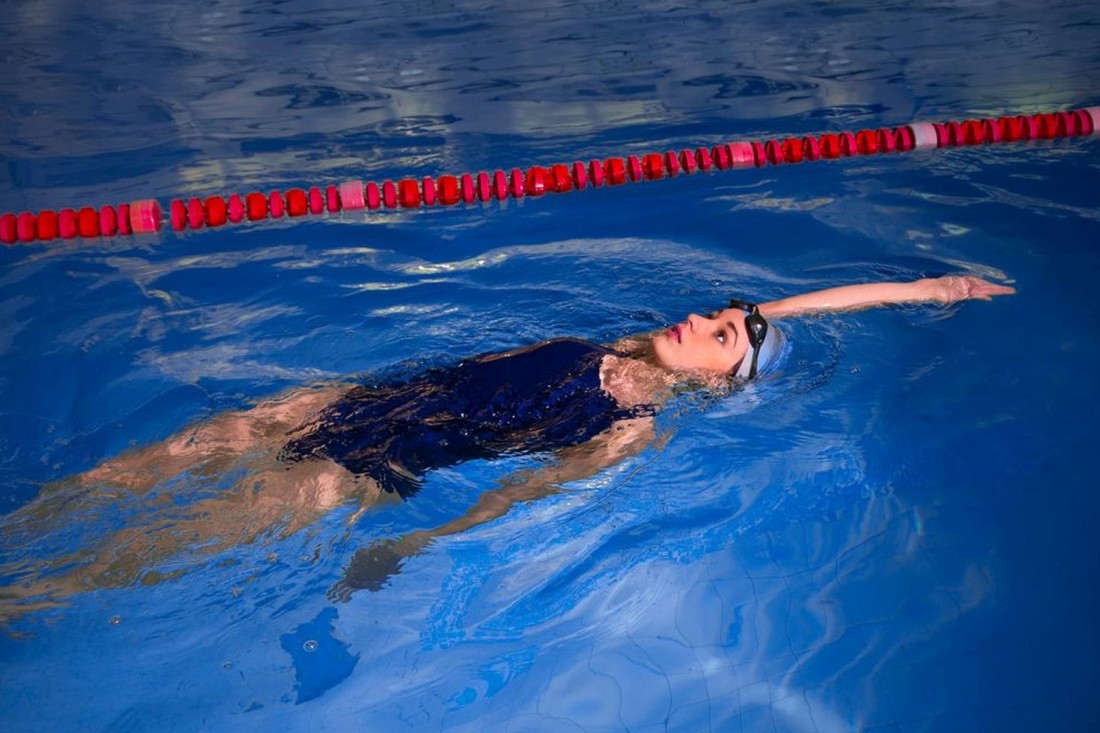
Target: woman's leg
268, 494
279, 497
214, 443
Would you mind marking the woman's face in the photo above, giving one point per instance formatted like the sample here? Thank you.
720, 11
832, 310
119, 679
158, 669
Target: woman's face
714, 343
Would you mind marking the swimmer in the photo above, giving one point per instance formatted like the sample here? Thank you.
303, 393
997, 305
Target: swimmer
308, 451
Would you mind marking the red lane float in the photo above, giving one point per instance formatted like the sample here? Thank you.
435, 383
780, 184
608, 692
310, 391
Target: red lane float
147, 217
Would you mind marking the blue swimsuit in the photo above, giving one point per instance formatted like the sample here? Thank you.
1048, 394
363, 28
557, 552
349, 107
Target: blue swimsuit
541, 398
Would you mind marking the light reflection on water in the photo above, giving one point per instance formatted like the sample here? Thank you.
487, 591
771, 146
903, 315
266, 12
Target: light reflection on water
213, 98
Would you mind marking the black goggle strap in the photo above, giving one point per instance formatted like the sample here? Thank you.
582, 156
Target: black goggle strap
757, 328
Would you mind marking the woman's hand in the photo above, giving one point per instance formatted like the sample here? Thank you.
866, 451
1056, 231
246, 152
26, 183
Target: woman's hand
953, 288
372, 566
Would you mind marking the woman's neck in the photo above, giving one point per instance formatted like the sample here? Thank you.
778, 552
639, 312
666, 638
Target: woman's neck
632, 375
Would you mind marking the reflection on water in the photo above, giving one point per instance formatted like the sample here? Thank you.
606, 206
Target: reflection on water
775, 615
242, 94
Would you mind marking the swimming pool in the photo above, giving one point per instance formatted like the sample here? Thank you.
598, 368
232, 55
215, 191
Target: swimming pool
893, 534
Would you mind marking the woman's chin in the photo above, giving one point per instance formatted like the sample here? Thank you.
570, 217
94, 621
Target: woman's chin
660, 355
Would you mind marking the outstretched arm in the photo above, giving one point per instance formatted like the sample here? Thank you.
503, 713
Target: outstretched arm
373, 565
947, 289
622, 440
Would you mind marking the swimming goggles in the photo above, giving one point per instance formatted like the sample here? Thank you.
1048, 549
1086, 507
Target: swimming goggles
757, 329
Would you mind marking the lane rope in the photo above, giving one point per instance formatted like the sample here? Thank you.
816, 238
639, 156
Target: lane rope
146, 216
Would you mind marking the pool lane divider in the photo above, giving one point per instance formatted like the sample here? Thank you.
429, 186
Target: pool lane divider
147, 217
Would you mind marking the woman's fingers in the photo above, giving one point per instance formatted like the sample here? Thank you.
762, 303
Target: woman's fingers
968, 287
986, 290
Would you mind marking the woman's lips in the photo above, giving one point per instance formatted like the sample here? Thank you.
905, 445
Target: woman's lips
674, 333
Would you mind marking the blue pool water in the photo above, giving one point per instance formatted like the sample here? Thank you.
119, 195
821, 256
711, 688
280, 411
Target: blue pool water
894, 533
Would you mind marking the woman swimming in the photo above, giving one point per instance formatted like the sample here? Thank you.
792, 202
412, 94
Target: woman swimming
310, 450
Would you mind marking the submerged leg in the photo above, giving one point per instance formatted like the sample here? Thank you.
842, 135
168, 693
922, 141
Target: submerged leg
214, 441
271, 498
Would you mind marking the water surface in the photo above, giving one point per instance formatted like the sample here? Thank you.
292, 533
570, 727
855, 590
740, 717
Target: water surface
895, 533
